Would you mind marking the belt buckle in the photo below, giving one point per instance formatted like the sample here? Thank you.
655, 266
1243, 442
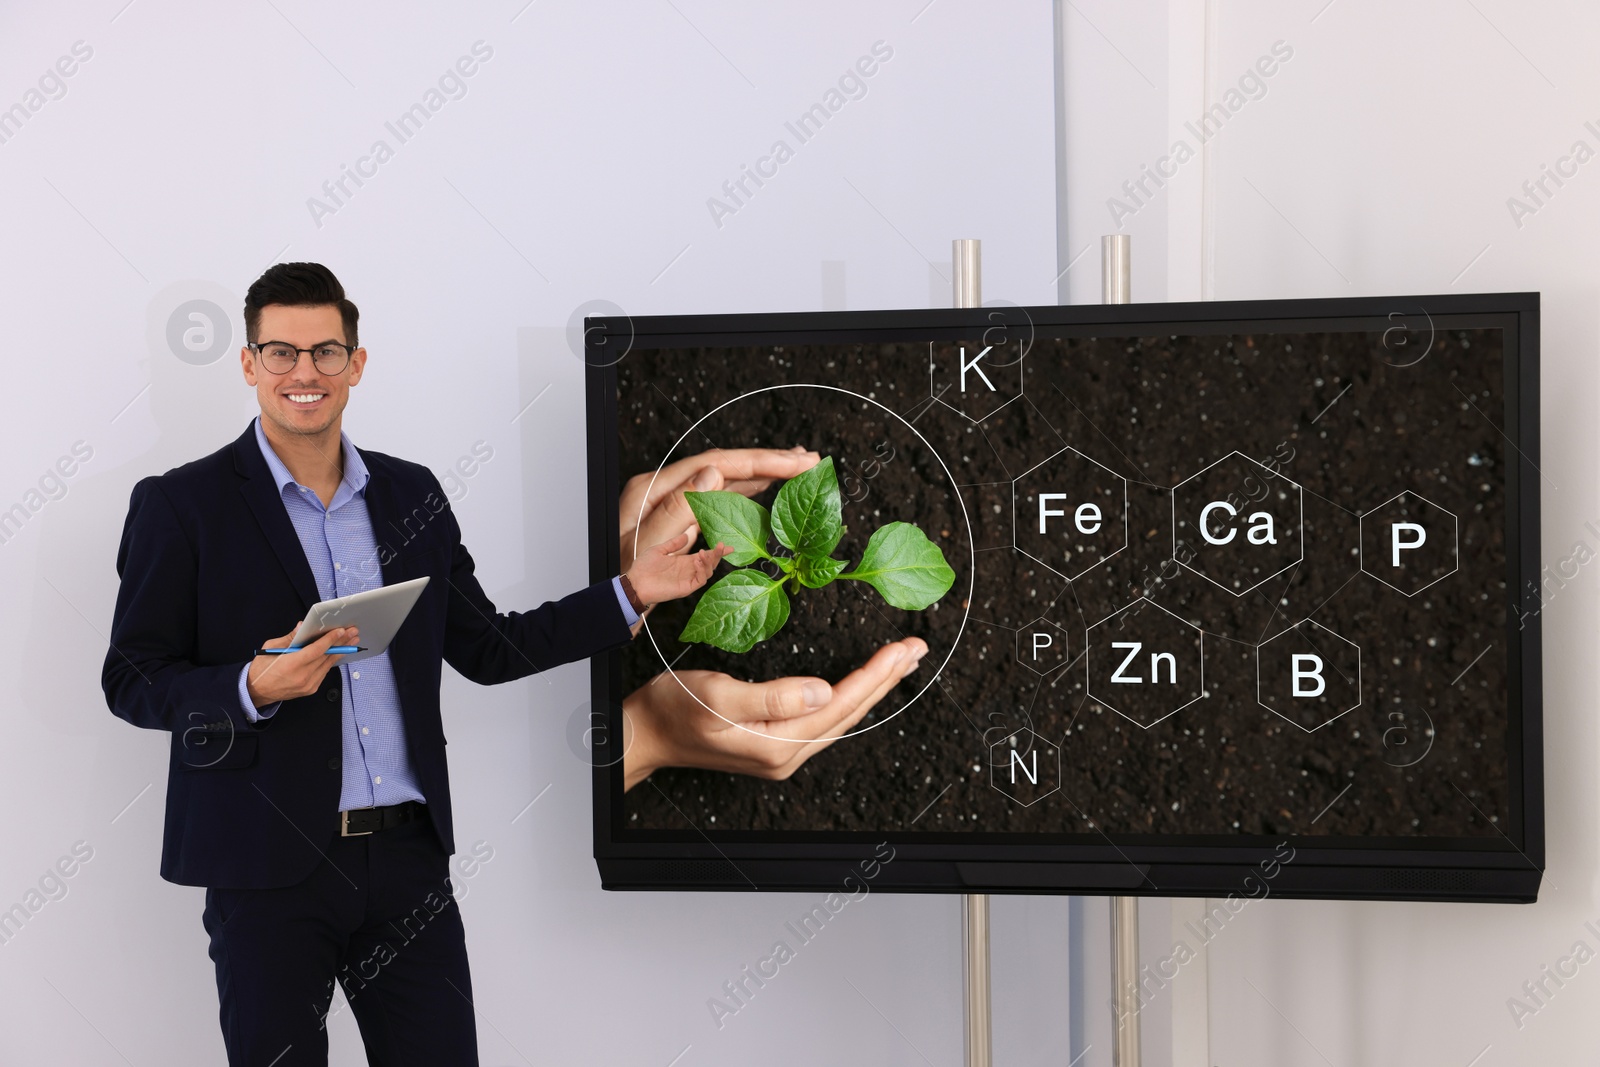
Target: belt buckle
344, 824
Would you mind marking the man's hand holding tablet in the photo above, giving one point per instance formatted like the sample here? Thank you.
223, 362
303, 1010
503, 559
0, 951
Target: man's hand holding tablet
329, 624
295, 674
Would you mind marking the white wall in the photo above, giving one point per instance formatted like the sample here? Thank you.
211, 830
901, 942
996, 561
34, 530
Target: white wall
178, 165
1380, 160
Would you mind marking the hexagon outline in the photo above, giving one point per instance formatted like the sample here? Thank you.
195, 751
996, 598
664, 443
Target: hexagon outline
937, 398
1036, 559
1361, 548
1300, 558
1064, 632
1042, 740
1087, 680
1325, 630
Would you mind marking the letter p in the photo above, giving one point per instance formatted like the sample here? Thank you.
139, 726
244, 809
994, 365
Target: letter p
1406, 527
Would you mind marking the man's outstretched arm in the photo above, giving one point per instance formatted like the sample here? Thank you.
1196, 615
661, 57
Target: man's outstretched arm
488, 646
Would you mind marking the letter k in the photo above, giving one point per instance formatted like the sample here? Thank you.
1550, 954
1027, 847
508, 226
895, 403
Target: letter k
965, 366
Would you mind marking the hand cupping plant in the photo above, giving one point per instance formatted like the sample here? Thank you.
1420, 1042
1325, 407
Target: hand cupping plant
746, 606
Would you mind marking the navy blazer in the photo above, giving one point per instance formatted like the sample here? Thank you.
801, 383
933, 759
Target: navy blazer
211, 567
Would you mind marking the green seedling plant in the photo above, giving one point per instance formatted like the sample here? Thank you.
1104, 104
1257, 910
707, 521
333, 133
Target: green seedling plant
746, 606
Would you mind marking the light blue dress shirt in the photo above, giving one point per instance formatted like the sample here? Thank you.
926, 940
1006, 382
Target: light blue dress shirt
340, 547
343, 554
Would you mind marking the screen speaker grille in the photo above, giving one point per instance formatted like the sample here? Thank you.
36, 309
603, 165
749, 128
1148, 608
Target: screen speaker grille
697, 870
1430, 881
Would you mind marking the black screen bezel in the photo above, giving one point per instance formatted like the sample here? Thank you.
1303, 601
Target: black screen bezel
797, 860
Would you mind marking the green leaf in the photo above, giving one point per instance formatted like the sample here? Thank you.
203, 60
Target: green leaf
807, 516
906, 568
814, 572
744, 607
735, 520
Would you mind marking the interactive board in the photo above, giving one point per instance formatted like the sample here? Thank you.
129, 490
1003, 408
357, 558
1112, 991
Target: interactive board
1233, 584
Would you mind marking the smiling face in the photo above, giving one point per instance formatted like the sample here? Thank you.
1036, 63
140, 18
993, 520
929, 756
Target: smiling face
303, 401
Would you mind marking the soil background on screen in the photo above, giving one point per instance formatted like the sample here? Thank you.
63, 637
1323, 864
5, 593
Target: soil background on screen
1332, 413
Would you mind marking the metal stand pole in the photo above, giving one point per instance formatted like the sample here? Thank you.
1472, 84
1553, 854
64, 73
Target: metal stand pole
1116, 278
1125, 980
966, 272
1116, 269
975, 945
967, 286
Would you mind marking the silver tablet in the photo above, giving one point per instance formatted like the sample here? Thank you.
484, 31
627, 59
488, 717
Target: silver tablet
378, 614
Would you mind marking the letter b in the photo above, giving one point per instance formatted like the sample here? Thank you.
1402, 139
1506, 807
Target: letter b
1308, 667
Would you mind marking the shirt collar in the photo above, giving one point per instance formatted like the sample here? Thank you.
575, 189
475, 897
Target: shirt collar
355, 471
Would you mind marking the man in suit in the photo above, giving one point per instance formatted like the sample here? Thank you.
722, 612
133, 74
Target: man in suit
311, 796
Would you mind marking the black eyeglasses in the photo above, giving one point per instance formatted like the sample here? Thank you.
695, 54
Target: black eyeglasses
280, 357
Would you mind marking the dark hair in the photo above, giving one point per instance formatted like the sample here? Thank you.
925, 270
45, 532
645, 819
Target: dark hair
298, 285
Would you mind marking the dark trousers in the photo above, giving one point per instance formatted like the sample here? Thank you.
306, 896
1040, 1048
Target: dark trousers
377, 915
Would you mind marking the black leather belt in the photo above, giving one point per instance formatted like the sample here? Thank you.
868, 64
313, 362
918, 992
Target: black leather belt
360, 821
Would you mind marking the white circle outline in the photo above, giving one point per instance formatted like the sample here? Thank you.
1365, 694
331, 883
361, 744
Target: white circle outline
972, 564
